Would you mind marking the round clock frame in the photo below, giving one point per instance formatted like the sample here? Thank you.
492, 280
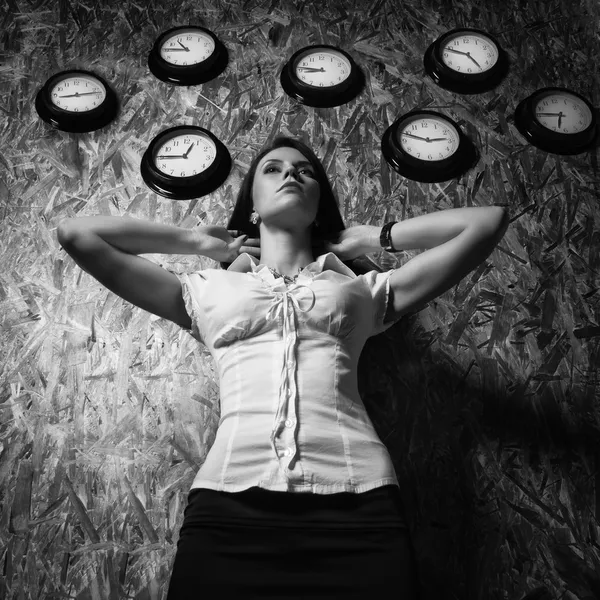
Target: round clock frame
454, 161
321, 96
555, 142
185, 187
464, 82
195, 73
74, 120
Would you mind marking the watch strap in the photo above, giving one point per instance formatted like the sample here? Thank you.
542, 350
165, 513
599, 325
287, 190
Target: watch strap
385, 237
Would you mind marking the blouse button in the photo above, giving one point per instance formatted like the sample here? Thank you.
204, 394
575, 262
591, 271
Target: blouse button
290, 364
289, 422
287, 452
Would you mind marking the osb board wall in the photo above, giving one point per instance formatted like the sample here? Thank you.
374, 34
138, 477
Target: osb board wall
487, 398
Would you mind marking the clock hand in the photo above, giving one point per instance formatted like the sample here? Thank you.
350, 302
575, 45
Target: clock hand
312, 69
176, 50
425, 139
188, 150
416, 137
186, 49
469, 55
560, 116
549, 114
163, 156
77, 94
456, 51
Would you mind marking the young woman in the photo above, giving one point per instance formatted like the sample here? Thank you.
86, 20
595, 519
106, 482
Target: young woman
297, 497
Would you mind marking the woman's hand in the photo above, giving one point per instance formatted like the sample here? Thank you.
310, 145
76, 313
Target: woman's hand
349, 243
225, 245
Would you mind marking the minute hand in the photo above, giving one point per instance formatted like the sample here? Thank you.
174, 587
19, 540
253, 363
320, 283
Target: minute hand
417, 137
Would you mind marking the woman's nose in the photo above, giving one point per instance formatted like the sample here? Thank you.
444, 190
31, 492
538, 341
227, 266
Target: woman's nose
291, 170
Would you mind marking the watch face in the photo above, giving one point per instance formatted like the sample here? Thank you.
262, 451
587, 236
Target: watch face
563, 112
185, 154
428, 138
322, 68
469, 53
188, 46
78, 93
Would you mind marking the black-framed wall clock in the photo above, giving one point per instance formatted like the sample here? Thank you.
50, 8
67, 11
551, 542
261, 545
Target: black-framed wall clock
185, 162
557, 120
466, 61
427, 146
76, 101
322, 76
187, 55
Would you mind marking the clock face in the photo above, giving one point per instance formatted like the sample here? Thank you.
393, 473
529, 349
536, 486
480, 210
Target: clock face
563, 113
187, 47
428, 138
469, 53
78, 93
322, 68
185, 154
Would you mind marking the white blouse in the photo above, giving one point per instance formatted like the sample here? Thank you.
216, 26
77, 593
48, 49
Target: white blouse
287, 355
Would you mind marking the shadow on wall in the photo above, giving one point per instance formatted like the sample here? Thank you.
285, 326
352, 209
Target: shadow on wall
457, 447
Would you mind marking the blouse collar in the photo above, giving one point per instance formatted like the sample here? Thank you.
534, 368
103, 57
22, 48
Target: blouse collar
245, 263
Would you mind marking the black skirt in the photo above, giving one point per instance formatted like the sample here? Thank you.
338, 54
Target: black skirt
264, 544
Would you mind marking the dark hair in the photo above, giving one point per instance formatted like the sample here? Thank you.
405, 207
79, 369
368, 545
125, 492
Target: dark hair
328, 214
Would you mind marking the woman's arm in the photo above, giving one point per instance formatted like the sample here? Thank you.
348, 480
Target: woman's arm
134, 236
458, 240
432, 229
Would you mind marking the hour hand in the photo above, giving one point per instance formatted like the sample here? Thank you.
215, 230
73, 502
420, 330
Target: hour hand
188, 150
311, 69
163, 156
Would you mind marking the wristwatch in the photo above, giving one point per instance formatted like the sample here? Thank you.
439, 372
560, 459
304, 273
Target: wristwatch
385, 237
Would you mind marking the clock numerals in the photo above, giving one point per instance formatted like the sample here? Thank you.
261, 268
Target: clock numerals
77, 101
466, 61
557, 120
188, 55
427, 146
322, 76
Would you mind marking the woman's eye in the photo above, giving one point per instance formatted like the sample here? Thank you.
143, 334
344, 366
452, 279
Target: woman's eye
307, 172
269, 169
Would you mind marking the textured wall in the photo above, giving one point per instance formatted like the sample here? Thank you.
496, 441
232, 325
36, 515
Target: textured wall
487, 398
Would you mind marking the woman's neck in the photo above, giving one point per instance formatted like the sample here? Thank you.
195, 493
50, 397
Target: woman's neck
285, 252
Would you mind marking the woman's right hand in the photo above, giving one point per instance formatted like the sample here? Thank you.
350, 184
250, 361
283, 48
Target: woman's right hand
225, 245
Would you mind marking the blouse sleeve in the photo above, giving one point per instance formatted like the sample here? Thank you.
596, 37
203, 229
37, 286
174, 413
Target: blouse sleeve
378, 285
190, 288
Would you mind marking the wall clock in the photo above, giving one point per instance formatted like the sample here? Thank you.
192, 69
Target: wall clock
557, 120
76, 101
466, 61
187, 55
427, 146
321, 76
185, 162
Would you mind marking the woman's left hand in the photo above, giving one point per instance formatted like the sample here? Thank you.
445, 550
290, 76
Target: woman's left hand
349, 243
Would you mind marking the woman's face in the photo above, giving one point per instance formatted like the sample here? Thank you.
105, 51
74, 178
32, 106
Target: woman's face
285, 190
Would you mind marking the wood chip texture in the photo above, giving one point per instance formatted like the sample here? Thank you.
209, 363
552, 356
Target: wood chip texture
487, 398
